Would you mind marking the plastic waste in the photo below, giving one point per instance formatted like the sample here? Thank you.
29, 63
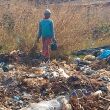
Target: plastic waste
43, 91
54, 104
72, 79
62, 73
55, 74
16, 98
105, 78
45, 105
89, 71
97, 93
80, 62
1, 70
5, 67
103, 88
26, 95
108, 87
85, 92
74, 99
105, 54
74, 94
66, 105
79, 93
89, 57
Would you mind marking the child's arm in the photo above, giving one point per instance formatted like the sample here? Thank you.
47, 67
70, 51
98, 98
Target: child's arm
39, 31
53, 31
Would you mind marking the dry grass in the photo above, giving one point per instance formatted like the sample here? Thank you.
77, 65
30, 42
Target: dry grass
74, 25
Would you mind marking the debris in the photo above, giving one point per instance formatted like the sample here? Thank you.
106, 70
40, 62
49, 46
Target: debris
16, 98
108, 87
104, 54
97, 93
89, 57
62, 73
45, 105
105, 78
84, 84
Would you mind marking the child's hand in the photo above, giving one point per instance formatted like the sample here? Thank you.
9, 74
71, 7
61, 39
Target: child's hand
54, 40
38, 40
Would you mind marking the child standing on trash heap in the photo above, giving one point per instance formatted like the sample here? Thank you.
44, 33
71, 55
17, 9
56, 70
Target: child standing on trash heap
46, 32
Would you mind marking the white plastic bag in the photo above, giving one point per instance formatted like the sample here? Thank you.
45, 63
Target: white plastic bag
45, 105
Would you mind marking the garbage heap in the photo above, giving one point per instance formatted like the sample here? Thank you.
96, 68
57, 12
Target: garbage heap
83, 84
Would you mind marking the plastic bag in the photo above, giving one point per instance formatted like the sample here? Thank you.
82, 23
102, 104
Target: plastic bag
54, 46
45, 105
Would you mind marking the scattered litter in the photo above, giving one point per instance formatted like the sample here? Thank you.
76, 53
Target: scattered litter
83, 84
89, 57
104, 54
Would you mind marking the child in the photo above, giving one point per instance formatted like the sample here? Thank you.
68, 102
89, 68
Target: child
46, 31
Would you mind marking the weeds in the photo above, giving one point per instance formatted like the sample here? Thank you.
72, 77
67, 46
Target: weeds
73, 24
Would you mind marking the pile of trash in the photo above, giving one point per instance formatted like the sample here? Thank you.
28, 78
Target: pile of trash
83, 84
